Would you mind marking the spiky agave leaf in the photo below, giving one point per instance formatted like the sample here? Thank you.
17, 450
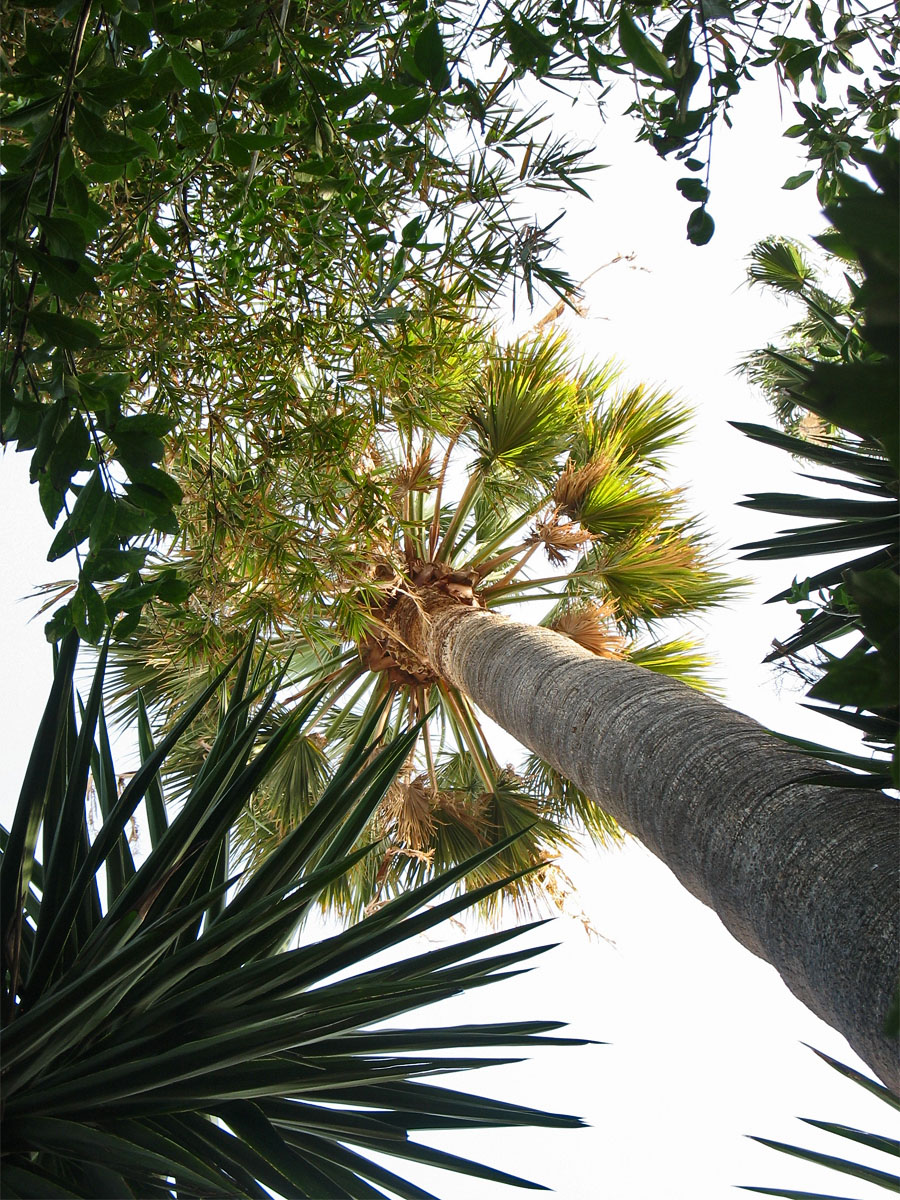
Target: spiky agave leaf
163, 1040
886, 1144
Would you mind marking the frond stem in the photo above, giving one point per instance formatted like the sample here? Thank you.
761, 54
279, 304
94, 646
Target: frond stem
435, 530
463, 508
468, 736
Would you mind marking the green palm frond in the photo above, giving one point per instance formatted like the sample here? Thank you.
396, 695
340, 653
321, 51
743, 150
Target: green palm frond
781, 264
615, 507
678, 658
647, 579
522, 409
633, 427
167, 1037
286, 796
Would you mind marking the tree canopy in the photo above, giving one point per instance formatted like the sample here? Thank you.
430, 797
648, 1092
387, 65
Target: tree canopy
202, 200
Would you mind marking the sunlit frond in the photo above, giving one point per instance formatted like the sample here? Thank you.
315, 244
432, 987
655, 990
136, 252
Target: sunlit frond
615, 506
647, 579
522, 409
635, 427
779, 263
592, 627
679, 658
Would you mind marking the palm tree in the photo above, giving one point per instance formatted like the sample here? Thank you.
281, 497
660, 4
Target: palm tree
488, 460
164, 1032
803, 875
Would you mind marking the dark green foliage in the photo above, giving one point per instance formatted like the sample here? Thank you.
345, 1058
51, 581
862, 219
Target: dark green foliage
872, 1141
160, 1035
202, 200
687, 62
852, 389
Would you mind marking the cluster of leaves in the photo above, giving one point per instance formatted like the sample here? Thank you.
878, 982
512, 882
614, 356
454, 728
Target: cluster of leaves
489, 460
843, 370
689, 61
281, 186
161, 1037
269, 185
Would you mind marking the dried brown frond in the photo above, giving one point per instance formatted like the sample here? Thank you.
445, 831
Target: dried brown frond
408, 808
459, 806
813, 429
589, 626
575, 482
557, 888
560, 539
417, 474
369, 460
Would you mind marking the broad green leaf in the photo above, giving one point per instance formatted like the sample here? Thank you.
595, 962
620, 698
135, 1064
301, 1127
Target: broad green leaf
640, 50
431, 56
411, 113
700, 226
796, 181
187, 74
693, 189
70, 333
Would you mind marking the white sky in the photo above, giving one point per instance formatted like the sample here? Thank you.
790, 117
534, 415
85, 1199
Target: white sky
704, 1038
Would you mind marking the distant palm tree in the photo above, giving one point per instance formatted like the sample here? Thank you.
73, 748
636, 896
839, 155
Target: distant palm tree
479, 462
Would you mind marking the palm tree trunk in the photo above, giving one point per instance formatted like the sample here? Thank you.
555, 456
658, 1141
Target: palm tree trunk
804, 876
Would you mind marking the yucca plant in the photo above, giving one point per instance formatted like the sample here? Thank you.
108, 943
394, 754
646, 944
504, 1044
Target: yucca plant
481, 461
882, 1143
166, 1034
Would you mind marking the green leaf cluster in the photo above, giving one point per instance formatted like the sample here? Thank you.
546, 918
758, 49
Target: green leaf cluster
688, 62
198, 205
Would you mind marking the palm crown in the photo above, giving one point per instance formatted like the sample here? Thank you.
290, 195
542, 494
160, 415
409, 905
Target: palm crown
492, 476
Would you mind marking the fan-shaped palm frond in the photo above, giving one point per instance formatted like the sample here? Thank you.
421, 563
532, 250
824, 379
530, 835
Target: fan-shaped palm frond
780, 263
539, 480
167, 1036
650, 577
521, 410
635, 427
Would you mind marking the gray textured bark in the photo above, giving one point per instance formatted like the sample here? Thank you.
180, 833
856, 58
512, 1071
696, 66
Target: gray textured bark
804, 876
